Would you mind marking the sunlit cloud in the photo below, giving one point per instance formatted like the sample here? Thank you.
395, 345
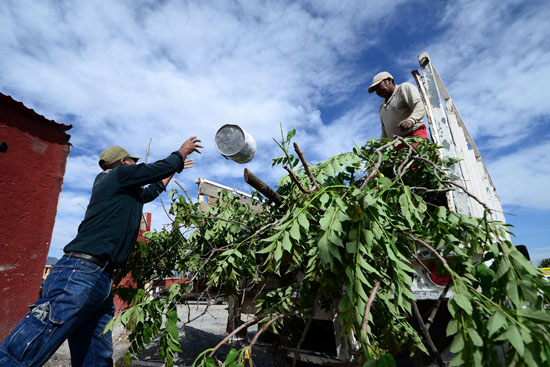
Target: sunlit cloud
134, 73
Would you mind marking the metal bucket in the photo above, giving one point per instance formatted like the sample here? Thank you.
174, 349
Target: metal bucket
235, 143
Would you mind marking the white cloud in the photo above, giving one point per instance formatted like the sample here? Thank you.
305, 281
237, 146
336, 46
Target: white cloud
521, 178
125, 72
130, 72
493, 58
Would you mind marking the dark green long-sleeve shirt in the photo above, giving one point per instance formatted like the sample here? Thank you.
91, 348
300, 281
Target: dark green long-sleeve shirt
111, 223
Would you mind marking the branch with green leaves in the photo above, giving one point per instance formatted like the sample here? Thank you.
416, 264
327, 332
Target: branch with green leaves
347, 245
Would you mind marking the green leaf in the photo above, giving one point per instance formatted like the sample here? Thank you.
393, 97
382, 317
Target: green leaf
463, 303
386, 360
295, 230
458, 343
267, 249
329, 171
441, 212
302, 220
457, 361
405, 211
172, 331
173, 345
514, 337
496, 321
452, 327
287, 244
278, 253
365, 265
535, 315
209, 362
521, 262
368, 200
324, 198
323, 245
512, 291
502, 268
345, 303
290, 135
231, 356
478, 358
486, 276
327, 219
474, 336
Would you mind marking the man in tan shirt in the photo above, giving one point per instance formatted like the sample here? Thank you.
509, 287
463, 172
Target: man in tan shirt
402, 111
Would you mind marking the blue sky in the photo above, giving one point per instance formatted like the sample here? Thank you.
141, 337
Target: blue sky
124, 72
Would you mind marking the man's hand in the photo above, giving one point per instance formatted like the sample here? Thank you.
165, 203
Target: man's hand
405, 125
188, 163
191, 145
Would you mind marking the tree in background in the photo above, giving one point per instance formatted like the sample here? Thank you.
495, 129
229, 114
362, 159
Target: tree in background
545, 263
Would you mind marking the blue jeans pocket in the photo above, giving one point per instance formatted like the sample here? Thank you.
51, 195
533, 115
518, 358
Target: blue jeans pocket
87, 267
28, 338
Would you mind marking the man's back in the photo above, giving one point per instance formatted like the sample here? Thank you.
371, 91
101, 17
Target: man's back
111, 223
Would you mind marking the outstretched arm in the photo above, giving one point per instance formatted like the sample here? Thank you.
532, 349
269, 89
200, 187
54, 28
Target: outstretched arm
189, 146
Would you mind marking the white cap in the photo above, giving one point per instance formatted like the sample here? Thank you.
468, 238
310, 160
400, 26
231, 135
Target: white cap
378, 78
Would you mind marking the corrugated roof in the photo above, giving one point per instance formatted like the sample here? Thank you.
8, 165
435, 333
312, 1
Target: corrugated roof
34, 116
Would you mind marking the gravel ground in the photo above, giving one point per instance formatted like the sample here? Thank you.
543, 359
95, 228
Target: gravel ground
203, 333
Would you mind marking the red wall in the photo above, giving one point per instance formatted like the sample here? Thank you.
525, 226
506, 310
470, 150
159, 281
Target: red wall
31, 176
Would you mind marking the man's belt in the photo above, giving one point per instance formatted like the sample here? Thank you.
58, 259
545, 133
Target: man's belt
106, 265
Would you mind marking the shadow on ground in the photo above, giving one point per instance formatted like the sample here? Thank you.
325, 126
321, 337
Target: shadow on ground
194, 341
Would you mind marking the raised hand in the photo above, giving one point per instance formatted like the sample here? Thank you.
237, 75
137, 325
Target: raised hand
189, 146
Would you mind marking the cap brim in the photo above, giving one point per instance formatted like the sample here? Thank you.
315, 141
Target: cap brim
373, 87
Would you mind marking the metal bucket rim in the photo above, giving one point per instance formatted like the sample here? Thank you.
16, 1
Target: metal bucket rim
229, 154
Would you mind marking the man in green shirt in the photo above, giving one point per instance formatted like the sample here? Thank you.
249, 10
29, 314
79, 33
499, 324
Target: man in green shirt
77, 302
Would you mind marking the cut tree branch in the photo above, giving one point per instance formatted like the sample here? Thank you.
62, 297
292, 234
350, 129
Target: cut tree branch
185, 191
306, 167
421, 263
449, 182
425, 244
426, 333
293, 178
436, 307
255, 321
262, 187
374, 171
367, 311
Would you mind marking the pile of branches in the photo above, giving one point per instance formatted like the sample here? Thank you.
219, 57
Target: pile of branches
344, 239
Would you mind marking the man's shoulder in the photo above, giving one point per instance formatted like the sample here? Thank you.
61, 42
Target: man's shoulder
407, 85
408, 90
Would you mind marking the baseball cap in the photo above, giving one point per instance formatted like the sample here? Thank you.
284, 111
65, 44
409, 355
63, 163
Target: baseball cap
114, 154
378, 78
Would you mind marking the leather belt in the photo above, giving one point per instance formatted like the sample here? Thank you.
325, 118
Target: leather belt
106, 265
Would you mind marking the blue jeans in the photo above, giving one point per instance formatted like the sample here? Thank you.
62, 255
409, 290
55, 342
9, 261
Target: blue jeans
77, 304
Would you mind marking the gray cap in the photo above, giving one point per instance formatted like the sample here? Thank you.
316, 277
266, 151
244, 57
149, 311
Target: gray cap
114, 154
378, 78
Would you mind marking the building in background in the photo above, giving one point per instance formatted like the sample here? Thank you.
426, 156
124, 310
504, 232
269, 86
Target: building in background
33, 156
